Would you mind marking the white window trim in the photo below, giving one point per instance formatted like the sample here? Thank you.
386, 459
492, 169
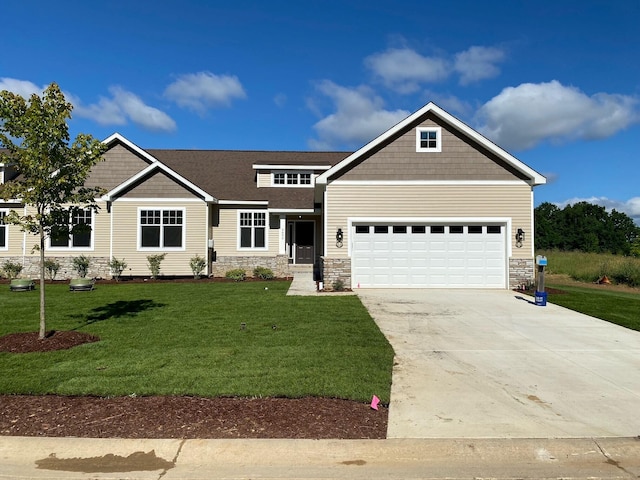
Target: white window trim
266, 232
71, 248
161, 248
438, 131
297, 173
6, 231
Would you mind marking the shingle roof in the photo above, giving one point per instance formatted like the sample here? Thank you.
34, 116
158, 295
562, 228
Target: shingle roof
229, 174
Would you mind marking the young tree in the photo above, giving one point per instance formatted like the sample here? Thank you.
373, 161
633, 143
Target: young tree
52, 172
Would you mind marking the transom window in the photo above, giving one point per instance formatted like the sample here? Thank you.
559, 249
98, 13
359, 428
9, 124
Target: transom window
3, 230
162, 228
289, 179
82, 238
428, 139
252, 228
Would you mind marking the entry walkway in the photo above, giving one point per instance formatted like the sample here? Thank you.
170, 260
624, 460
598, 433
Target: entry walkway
303, 282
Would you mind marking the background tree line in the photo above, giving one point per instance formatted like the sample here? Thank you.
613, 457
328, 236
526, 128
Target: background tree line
585, 227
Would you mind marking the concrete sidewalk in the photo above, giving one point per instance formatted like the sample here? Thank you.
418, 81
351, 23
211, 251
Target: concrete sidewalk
69, 458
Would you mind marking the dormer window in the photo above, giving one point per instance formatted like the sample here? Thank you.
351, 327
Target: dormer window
292, 179
428, 139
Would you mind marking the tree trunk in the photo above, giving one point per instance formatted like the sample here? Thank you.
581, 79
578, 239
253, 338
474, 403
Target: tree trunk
43, 322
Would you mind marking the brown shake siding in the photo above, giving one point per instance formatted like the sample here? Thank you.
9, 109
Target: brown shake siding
158, 185
118, 166
460, 159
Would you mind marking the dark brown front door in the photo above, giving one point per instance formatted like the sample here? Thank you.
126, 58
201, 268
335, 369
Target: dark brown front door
304, 236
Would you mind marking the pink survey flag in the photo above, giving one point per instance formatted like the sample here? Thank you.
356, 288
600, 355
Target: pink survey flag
374, 402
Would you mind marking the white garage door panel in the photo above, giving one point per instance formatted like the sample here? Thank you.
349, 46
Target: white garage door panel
427, 257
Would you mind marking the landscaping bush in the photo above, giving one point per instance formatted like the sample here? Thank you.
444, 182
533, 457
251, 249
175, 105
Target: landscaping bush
11, 269
263, 273
81, 265
338, 285
51, 266
117, 267
197, 265
237, 274
154, 262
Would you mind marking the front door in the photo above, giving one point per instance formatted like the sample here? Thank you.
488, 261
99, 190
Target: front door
303, 241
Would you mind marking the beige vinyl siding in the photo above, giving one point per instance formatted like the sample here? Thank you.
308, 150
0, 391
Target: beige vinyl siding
225, 233
118, 166
100, 227
176, 262
15, 236
158, 185
460, 159
264, 179
428, 201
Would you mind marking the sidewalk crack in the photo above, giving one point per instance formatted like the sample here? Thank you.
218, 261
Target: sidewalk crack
174, 461
610, 459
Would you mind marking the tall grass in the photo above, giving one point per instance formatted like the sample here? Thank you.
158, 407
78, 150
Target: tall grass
589, 267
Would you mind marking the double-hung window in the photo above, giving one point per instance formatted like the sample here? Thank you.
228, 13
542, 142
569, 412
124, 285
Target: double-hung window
79, 219
161, 228
252, 230
428, 139
3, 231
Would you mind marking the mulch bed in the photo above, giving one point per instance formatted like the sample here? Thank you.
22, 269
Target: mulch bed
176, 417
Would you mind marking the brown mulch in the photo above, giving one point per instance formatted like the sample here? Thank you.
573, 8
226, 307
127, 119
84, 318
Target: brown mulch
177, 417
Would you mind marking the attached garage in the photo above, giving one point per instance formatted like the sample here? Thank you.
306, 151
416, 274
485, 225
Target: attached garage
430, 203
429, 255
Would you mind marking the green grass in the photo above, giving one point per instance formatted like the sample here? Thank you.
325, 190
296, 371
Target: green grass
186, 339
589, 267
621, 308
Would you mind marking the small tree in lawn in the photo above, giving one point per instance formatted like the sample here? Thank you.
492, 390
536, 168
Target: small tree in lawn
53, 171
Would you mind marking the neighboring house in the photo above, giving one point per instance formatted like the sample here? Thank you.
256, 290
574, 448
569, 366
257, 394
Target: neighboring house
429, 203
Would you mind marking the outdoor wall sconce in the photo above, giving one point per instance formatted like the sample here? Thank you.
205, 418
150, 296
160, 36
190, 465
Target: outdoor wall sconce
519, 238
339, 238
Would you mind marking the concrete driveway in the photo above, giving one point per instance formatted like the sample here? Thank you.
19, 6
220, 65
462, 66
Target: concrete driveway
488, 363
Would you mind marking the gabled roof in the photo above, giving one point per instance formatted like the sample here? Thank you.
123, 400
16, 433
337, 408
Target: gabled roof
155, 165
534, 177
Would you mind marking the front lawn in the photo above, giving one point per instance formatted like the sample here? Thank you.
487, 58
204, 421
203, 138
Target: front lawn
622, 308
189, 339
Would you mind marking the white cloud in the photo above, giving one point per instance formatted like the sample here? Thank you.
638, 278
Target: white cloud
450, 103
123, 106
204, 90
403, 69
359, 117
630, 207
523, 116
280, 100
24, 88
478, 63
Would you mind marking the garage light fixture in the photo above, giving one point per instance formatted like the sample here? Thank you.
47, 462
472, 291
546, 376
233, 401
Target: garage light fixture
520, 237
339, 238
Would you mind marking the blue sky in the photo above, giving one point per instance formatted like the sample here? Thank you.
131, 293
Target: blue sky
556, 83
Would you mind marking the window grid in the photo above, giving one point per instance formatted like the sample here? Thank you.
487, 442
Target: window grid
78, 239
160, 228
252, 230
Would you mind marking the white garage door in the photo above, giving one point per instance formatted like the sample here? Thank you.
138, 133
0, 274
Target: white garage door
445, 256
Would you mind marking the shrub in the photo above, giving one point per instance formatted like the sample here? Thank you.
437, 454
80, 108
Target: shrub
237, 274
338, 285
81, 265
51, 266
263, 273
154, 262
117, 267
11, 269
197, 265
